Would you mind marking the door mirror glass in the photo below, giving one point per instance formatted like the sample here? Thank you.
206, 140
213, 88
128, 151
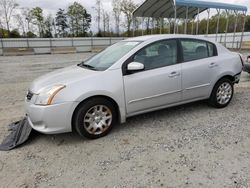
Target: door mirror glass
135, 66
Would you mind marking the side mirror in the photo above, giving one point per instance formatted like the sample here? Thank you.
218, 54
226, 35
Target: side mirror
135, 66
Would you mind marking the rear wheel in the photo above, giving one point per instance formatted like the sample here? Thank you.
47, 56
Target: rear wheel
95, 118
222, 93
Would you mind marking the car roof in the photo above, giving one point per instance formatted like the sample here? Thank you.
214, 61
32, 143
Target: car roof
166, 36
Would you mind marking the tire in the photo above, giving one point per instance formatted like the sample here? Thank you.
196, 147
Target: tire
95, 118
222, 93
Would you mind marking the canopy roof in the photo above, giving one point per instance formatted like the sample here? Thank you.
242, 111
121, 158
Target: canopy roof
166, 8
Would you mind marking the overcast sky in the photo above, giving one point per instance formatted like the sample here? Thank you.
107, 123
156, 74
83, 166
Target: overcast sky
51, 6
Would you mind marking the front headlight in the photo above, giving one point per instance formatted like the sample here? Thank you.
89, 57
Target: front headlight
45, 97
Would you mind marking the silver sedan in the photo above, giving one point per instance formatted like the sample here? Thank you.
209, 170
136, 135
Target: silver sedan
131, 77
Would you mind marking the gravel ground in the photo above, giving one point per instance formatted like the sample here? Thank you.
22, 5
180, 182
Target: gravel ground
193, 145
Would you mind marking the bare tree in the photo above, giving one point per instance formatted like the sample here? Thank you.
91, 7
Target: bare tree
127, 7
117, 14
26, 18
7, 7
98, 10
20, 22
106, 21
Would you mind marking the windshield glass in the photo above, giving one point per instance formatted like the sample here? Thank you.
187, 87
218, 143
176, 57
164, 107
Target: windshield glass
110, 55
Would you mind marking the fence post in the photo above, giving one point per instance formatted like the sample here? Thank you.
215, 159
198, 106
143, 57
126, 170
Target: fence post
2, 43
91, 43
27, 40
50, 43
72, 42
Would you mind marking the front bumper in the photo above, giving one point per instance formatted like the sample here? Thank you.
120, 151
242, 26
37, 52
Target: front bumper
50, 119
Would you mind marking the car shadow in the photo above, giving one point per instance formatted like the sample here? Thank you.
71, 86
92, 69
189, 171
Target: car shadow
142, 119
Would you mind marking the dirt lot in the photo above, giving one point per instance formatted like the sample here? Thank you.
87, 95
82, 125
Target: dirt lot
188, 146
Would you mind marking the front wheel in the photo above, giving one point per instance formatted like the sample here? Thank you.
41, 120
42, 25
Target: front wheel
95, 118
222, 93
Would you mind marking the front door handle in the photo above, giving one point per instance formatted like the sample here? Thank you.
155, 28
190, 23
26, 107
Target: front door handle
173, 74
212, 65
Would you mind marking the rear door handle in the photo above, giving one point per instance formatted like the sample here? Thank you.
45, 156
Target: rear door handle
211, 65
173, 74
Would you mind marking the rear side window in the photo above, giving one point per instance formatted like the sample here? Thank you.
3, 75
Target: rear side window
197, 49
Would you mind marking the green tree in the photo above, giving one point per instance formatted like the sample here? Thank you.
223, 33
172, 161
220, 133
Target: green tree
38, 19
247, 26
61, 22
48, 27
31, 34
79, 19
14, 34
3, 33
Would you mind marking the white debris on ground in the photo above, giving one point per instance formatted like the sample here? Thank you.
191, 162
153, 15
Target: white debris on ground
192, 145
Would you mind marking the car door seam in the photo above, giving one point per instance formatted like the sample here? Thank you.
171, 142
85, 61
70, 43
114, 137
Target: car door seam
154, 96
198, 86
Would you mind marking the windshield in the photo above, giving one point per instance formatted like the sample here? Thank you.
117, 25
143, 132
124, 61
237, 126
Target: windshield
110, 55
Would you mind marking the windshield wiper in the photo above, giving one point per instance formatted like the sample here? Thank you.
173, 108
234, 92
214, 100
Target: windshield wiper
82, 64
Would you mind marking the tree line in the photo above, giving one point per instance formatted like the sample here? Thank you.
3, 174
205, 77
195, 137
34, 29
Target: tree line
76, 20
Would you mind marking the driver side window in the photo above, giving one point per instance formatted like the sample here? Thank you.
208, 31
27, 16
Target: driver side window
158, 54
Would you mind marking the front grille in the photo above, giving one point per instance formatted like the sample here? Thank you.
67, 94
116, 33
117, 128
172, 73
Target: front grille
29, 95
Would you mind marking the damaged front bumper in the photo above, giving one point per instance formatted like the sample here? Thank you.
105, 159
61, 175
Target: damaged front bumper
50, 119
19, 133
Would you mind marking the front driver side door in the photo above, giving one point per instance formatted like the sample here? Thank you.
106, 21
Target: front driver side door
159, 84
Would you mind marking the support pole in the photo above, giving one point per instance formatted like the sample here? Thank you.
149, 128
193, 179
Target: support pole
174, 19
235, 27
169, 24
218, 24
152, 25
225, 39
142, 21
160, 25
208, 17
185, 29
177, 28
192, 27
133, 23
197, 23
243, 28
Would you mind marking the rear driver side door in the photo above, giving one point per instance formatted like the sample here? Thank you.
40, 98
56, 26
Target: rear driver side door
200, 68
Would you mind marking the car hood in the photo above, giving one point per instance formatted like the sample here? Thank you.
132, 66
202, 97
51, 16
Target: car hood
61, 76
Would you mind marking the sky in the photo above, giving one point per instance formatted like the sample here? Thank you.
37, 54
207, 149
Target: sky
51, 6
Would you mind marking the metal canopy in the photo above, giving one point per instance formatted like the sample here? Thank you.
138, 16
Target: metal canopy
209, 4
166, 8
189, 10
